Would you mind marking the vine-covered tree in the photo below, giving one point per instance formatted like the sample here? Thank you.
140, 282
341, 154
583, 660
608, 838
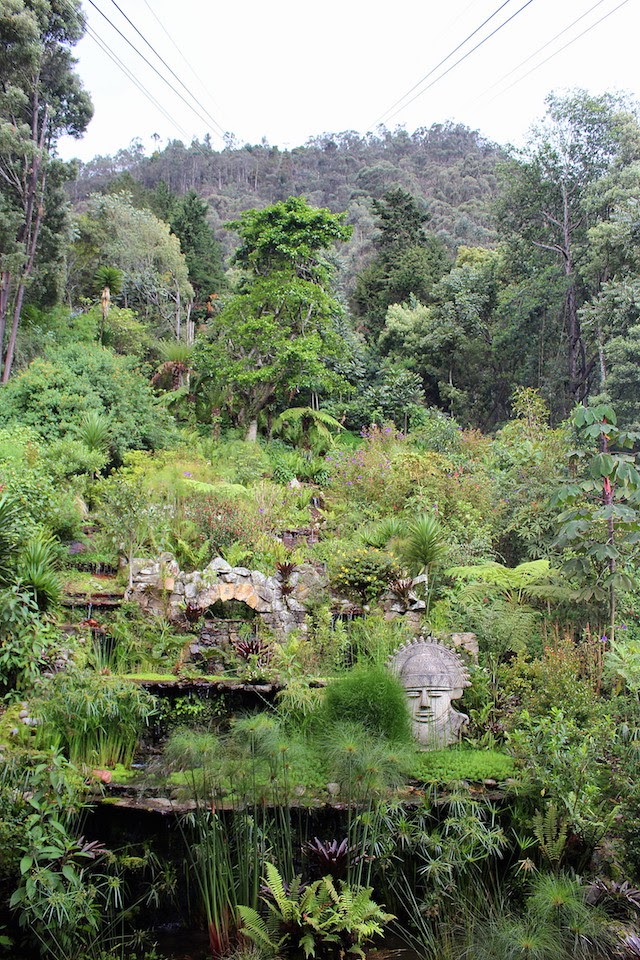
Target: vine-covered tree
41, 98
277, 337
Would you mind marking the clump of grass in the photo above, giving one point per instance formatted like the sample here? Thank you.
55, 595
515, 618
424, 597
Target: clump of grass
95, 719
371, 696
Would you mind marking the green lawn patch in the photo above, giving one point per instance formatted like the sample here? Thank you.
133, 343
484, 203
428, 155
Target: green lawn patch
443, 766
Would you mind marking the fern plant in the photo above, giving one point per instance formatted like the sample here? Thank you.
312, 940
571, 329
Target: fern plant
551, 831
319, 918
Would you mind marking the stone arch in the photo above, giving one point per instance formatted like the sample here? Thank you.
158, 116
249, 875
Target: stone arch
161, 586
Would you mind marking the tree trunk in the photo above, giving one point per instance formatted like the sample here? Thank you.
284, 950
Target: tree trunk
576, 351
28, 234
252, 431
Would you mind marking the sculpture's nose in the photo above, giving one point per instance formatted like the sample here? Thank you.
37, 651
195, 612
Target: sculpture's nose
424, 698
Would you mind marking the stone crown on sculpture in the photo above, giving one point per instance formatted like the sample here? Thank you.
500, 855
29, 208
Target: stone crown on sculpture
433, 676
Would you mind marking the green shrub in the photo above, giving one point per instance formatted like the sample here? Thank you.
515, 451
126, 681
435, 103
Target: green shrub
55, 394
363, 574
435, 431
373, 697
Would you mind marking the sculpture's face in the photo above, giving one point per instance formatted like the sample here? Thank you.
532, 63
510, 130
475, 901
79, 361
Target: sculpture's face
429, 710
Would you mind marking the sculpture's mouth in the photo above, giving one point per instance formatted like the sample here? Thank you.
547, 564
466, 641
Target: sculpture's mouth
424, 717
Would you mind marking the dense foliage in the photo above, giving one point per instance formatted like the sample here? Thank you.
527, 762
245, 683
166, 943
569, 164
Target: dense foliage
288, 363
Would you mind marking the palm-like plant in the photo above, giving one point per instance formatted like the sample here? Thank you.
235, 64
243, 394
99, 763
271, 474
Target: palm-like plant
423, 545
94, 430
311, 429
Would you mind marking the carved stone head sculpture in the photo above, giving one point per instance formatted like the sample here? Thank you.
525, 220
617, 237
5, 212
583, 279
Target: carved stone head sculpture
432, 676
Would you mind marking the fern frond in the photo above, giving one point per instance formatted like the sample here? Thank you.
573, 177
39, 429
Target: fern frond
255, 927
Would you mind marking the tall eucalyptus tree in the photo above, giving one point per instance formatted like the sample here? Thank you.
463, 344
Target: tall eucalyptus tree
41, 98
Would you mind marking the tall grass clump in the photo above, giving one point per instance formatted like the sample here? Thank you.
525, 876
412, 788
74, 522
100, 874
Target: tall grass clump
372, 696
94, 720
37, 574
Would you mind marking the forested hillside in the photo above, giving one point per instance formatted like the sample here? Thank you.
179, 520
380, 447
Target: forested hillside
464, 271
449, 166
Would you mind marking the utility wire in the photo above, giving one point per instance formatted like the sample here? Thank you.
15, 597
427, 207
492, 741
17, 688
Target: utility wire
464, 57
165, 64
185, 60
95, 36
381, 119
539, 50
560, 50
149, 64
131, 76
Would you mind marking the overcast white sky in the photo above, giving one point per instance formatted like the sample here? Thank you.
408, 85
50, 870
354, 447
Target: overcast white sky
288, 70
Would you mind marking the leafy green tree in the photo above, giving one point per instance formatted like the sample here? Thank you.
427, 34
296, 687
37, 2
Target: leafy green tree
610, 319
40, 99
289, 235
269, 344
278, 336
601, 522
456, 343
201, 250
548, 203
408, 260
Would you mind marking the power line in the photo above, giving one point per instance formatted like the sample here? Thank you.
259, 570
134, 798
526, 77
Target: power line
560, 50
149, 64
131, 76
539, 50
185, 60
464, 57
381, 119
165, 64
